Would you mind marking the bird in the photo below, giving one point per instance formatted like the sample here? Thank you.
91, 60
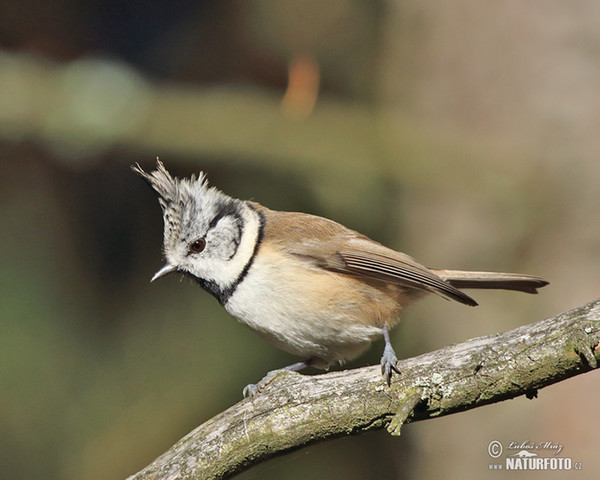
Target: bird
307, 284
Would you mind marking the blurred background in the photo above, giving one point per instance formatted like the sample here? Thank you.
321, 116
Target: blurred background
463, 133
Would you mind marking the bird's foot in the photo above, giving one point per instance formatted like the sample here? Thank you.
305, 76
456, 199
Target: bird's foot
250, 391
388, 363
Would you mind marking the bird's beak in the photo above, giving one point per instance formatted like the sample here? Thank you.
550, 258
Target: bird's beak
164, 271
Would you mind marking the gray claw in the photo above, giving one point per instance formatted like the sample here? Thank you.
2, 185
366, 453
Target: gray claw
388, 363
250, 391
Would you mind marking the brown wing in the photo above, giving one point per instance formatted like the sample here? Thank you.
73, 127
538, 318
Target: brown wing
331, 246
384, 264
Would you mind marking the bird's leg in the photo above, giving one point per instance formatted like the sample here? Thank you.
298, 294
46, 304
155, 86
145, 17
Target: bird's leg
250, 391
388, 359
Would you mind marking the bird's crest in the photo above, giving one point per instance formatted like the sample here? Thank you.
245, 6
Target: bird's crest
182, 200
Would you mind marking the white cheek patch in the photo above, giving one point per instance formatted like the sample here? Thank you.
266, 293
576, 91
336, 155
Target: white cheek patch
230, 249
224, 239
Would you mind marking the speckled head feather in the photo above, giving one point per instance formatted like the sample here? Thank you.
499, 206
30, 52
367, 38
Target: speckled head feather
188, 204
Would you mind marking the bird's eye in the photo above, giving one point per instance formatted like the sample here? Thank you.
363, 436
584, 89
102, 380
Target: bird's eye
198, 245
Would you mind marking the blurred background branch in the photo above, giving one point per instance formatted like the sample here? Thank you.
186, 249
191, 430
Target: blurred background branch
87, 107
92, 105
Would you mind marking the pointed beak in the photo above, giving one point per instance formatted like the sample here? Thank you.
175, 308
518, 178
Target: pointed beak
164, 271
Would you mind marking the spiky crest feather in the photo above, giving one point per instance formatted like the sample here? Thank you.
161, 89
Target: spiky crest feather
181, 200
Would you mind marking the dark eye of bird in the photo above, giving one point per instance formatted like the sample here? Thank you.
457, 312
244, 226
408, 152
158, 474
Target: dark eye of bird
198, 245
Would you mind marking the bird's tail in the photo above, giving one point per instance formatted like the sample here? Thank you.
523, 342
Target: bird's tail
492, 280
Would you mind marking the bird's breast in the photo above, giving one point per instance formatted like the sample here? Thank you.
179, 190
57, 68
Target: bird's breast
309, 311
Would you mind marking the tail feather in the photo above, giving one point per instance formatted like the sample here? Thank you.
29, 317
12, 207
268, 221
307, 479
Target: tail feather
492, 280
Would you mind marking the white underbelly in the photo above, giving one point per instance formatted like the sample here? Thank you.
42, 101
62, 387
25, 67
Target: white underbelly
297, 310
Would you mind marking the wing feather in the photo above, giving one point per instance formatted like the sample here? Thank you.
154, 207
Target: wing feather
399, 269
334, 247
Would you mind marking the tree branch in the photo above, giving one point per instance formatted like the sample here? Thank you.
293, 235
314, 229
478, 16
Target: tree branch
296, 410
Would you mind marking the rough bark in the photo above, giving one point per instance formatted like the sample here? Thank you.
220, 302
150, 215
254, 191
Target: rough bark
295, 410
